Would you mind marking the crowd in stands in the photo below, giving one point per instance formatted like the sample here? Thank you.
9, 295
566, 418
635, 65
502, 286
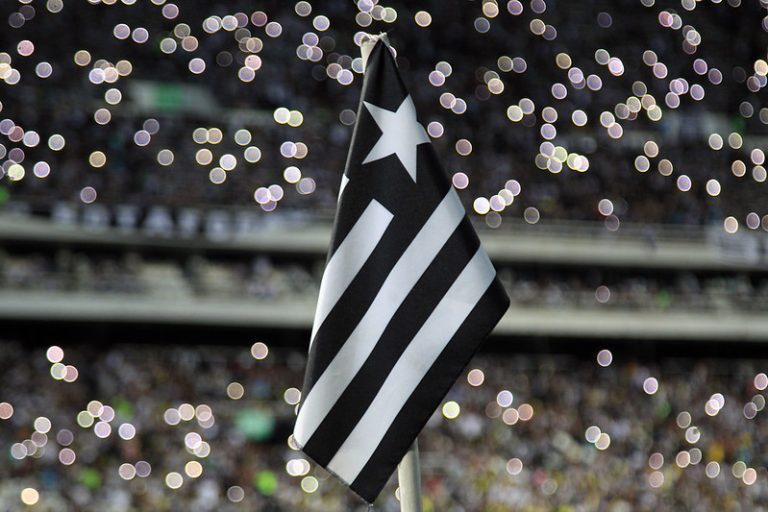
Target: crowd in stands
263, 279
547, 60
148, 427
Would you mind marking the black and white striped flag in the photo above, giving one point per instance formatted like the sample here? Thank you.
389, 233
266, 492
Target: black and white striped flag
407, 295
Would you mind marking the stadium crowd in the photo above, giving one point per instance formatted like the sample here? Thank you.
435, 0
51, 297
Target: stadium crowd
168, 104
145, 427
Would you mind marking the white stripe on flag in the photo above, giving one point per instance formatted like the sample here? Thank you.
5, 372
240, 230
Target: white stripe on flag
401, 279
344, 181
413, 365
349, 258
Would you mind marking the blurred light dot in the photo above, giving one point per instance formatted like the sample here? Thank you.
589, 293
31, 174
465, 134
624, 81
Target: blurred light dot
759, 173
695, 456
165, 157
712, 469
67, 456
56, 142
423, 18
252, 154
602, 294
515, 113
235, 494
259, 350
242, 137
692, 435
140, 35
174, 480
228, 162
713, 187
196, 65
715, 141
514, 466
126, 471
481, 205
193, 469
579, 117
515, 7
292, 396
97, 159
605, 207
18, 451
460, 180
102, 429
6, 410
451, 410
435, 129
731, 225
683, 459
592, 434
347, 117
54, 354
482, 25
217, 176
309, 484
665, 167
30, 496
504, 398
143, 469
475, 377
121, 31
463, 147
459, 106
42, 424
88, 195
525, 411
650, 385
604, 358
321, 23
603, 441
235, 390
126, 431
142, 138
531, 215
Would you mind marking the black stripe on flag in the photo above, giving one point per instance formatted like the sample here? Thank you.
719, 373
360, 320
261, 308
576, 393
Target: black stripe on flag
422, 403
356, 299
401, 329
407, 296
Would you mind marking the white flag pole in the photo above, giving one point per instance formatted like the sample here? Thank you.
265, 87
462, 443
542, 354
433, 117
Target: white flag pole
408, 471
409, 478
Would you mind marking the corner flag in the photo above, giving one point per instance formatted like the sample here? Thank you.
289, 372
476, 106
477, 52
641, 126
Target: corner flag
406, 299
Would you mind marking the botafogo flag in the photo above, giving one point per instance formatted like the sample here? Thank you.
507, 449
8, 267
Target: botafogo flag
407, 295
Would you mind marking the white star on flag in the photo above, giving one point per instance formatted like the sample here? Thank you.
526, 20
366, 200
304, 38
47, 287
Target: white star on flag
401, 132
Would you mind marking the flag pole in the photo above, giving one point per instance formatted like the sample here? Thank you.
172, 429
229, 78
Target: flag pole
409, 479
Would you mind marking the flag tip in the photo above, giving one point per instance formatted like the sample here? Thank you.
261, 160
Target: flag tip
367, 43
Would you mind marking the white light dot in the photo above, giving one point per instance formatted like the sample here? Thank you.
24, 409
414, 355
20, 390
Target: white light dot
514, 466
604, 358
650, 385
174, 480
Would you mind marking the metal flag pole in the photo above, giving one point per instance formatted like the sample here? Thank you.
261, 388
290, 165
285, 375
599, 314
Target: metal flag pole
409, 478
